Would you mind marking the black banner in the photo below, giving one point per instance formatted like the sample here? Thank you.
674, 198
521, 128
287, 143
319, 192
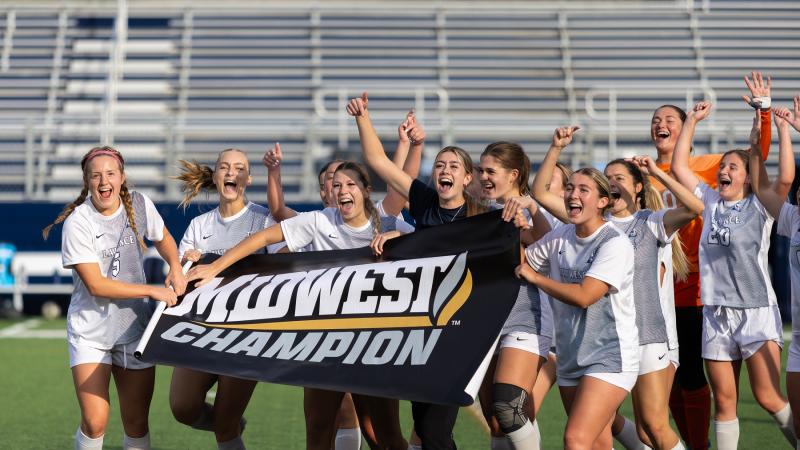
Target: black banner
416, 324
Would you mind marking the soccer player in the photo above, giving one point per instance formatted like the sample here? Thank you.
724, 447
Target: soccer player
526, 336
741, 321
102, 242
353, 223
215, 232
690, 401
586, 266
445, 202
789, 226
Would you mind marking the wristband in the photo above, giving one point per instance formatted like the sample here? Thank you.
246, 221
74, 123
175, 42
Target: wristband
761, 102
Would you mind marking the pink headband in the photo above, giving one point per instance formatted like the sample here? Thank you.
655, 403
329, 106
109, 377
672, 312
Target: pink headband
101, 152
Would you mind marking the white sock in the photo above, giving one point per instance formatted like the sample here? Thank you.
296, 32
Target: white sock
727, 433
536, 432
679, 446
500, 443
84, 442
629, 438
525, 438
234, 444
348, 439
414, 447
785, 422
140, 443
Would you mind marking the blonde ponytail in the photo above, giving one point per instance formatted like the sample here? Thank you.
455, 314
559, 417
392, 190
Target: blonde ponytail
194, 178
680, 263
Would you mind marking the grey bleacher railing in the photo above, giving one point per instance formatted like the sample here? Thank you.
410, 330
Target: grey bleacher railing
185, 79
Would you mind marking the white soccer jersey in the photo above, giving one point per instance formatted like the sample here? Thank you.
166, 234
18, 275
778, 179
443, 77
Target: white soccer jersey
326, 230
789, 226
551, 219
602, 337
212, 233
645, 230
666, 292
108, 241
382, 212
531, 312
733, 251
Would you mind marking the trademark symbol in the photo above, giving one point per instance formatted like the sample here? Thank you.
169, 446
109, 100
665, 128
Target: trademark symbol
455, 323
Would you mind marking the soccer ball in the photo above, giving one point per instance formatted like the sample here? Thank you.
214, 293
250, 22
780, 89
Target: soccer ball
51, 310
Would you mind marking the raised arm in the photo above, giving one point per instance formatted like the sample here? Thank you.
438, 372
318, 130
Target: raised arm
786, 166
277, 207
408, 154
772, 195
207, 272
761, 100
550, 201
691, 206
680, 157
168, 250
374, 154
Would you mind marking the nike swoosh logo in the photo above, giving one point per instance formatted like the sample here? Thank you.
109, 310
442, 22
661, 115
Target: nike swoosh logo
206, 237
521, 339
99, 236
332, 236
662, 356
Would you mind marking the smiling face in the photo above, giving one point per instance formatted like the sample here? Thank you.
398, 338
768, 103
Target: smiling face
232, 175
496, 181
450, 179
624, 188
733, 180
583, 200
104, 178
350, 194
665, 127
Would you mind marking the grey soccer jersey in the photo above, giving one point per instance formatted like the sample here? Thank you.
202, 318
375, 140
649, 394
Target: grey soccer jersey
645, 230
109, 241
212, 233
789, 226
733, 251
531, 312
602, 337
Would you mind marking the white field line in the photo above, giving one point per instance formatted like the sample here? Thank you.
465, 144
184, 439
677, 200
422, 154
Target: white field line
19, 328
24, 330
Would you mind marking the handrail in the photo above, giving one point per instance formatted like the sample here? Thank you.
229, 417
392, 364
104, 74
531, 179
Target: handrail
614, 92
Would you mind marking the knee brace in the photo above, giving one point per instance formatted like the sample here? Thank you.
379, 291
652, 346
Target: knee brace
510, 406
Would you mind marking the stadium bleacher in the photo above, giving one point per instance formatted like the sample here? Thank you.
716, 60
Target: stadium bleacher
197, 78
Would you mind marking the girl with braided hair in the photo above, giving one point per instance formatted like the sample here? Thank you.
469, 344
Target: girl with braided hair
102, 242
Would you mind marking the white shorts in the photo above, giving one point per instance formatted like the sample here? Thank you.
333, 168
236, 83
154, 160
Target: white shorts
653, 357
674, 358
531, 343
732, 334
120, 355
793, 363
624, 380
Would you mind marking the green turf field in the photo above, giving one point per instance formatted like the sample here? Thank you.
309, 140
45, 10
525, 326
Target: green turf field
39, 410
